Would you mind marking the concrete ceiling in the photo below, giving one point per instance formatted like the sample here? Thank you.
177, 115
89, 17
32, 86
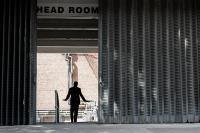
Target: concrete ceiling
67, 35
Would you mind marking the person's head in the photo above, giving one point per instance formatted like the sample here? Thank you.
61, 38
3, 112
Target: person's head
75, 83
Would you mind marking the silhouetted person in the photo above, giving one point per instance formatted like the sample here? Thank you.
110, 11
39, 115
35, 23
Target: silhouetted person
75, 93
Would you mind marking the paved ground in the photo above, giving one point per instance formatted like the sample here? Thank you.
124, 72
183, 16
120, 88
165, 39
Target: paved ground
99, 128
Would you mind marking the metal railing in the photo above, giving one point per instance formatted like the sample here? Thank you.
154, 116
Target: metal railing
88, 114
44, 116
57, 107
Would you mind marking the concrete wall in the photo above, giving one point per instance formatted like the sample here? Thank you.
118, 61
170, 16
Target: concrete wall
52, 73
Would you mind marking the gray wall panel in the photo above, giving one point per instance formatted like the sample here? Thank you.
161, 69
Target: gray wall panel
18, 57
149, 61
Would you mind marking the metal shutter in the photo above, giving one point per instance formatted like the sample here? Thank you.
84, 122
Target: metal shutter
18, 62
149, 61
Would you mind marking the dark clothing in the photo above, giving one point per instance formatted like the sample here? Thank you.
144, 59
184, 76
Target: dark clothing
74, 112
75, 94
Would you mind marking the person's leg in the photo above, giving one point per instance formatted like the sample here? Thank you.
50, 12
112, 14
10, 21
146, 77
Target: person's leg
71, 113
76, 113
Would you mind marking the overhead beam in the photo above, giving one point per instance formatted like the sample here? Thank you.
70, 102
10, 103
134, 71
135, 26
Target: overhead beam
67, 23
67, 49
65, 42
67, 34
88, 29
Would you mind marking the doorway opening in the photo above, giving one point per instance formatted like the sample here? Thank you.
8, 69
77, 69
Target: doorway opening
55, 74
67, 51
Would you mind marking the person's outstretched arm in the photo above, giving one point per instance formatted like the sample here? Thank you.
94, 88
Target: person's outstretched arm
82, 96
68, 95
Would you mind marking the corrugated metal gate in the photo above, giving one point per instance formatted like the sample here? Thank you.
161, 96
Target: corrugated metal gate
149, 61
17, 62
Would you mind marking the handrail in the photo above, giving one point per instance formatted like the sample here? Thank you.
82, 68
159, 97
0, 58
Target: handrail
57, 107
83, 114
